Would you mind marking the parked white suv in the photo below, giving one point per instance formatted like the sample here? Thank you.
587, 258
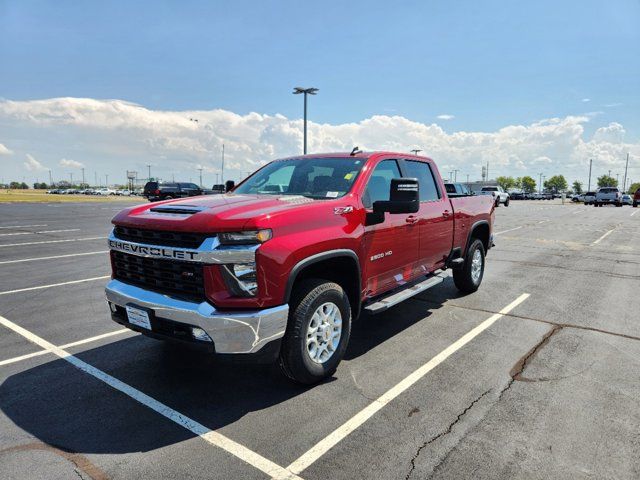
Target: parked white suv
498, 193
608, 195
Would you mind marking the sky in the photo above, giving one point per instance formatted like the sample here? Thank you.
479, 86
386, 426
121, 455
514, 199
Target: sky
537, 87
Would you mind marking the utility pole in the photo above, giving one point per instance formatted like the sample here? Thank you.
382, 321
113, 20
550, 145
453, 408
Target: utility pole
540, 183
83, 175
590, 165
305, 91
200, 170
222, 171
626, 167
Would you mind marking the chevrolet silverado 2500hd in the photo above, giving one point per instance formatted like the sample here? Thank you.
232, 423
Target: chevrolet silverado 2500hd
279, 267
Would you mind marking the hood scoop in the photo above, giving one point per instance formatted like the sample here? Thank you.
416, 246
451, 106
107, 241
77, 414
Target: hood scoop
177, 209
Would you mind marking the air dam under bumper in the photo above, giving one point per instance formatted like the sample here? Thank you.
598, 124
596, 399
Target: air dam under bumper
232, 332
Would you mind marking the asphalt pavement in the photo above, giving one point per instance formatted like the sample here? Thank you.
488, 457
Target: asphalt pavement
536, 375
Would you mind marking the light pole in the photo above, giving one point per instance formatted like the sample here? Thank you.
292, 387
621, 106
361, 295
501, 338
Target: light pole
222, 170
624, 187
455, 175
83, 175
217, 178
590, 165
71, 177
106, 180
305, 91
200, 170
415, 151
50, 179
540, 183
149, 170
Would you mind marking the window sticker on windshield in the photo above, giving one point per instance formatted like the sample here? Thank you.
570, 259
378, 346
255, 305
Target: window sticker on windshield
332, 194
348, 176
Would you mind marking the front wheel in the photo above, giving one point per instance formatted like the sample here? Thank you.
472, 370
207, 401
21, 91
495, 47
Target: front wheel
506, 202
317, 332
468, 278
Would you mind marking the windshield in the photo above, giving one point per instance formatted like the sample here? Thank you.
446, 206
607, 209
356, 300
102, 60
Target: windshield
310, 177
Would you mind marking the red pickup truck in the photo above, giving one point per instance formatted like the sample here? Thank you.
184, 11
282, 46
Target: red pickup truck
279, 267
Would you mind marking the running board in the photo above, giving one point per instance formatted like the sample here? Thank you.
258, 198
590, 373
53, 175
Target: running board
397, 297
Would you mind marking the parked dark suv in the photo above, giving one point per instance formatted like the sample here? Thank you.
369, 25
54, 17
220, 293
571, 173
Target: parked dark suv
155, 191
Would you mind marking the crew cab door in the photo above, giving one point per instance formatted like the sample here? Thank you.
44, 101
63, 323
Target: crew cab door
390, 248
435, 217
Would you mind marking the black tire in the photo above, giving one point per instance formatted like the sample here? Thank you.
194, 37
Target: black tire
506, 202
618, 204
295, 360
168, 197
635, 204
462, 278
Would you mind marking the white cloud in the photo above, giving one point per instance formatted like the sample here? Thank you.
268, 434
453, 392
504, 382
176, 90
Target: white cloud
113, 136
586, 100
70, 163
4, 150
446, 116
33, 165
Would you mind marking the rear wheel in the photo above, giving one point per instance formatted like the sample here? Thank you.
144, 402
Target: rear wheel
506, 203
468, 278
635, 204
317, 333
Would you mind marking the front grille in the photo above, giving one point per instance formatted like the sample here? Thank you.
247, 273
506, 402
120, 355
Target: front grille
183, 280
159, 237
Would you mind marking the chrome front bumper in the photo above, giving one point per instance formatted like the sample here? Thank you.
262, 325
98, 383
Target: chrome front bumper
231, 332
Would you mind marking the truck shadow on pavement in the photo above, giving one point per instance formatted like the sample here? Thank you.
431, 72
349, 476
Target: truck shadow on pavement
74, 412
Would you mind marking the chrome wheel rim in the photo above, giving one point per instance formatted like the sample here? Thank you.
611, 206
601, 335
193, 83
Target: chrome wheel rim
476, 266
324, 332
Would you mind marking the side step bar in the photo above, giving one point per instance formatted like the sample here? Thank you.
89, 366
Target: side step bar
393, 299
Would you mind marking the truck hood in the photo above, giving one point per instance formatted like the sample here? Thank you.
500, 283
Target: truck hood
208, 213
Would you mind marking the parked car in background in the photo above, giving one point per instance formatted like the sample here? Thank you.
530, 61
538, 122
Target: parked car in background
578, 198
608, 196
105, 191
457, 190
636, 198
627, 199
155, 191
499, 195
517, 195
589, 198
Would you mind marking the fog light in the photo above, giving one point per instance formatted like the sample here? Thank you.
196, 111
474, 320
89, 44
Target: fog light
200, 334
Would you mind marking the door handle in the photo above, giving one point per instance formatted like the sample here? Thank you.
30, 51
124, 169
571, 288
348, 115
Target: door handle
411, 219
446, 214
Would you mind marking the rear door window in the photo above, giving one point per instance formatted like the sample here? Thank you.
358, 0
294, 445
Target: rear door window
422, 171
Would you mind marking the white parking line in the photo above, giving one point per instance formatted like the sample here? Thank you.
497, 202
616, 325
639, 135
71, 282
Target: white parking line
214, 438
23, 226
603, 237
38, 233
322, 447
68, 345
5, 262
505, 231
633, 213
53, 241
41, 287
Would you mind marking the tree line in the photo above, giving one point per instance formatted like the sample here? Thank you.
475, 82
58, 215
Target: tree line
556, 183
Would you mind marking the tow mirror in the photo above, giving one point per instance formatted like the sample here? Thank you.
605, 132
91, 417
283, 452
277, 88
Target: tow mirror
229, 184
404, 197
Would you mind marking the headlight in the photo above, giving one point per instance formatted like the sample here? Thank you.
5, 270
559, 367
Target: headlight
241, 279
250, 237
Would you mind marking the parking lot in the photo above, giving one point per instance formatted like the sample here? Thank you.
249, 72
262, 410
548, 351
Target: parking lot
533, 376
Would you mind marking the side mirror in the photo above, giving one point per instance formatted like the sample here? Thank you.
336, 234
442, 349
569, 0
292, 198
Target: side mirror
404, 197
229, 185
